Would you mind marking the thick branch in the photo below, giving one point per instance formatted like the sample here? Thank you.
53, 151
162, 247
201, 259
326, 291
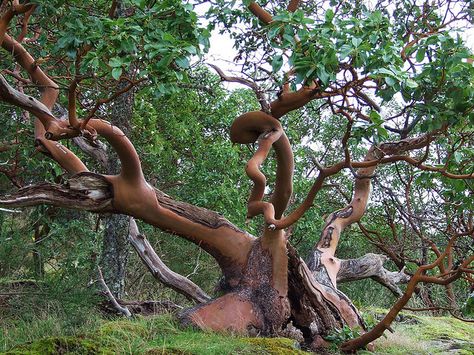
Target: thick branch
41, 110
261, 14
371, 265
8, 15
293, 5
87, 191
28, 103
49, 89
57, 129
289, 101
260, 126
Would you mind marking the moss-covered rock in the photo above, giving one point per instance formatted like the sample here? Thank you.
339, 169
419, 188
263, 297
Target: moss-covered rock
274, 346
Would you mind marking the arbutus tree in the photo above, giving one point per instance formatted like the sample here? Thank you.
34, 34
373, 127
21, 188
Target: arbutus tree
403, 89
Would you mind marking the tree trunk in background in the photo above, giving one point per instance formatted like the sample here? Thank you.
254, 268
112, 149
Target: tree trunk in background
115, 247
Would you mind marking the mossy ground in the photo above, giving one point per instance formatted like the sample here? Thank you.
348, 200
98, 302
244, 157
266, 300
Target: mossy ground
153, 335
161, 335
416, 334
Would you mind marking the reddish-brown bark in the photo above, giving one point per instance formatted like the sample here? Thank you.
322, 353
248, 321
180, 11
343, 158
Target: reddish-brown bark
266, 283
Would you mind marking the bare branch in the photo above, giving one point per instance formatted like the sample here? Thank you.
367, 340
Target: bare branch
256, 89
160, 271
110, 296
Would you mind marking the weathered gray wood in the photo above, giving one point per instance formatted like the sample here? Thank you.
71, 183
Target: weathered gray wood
29, 103
84, 191
371, 265
160, 271
97, 150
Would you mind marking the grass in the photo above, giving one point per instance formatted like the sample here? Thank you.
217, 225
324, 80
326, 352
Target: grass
52, 332
152, 335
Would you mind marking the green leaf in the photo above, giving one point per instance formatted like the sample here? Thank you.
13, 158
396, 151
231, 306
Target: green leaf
190, 49
420, 54
345, 51
356, 41
385, 71
115, 62
411, 83
375, 117
182, 62
277, 63
390, 81
274, 31
116, 73
329, 15
457, 157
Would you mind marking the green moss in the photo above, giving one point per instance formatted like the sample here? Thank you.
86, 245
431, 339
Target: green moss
445, 328
60, 345
162, 335
274, 346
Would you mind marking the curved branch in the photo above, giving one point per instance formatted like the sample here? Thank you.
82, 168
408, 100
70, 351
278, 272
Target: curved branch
384, 324
44, 120
24, 23
28, 103
49, 89
249, 128
57, 151
131, 169
288, 101
96, 193
284, 175
57, 129
8, 16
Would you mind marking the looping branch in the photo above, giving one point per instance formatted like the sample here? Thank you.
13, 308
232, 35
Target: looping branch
261, 127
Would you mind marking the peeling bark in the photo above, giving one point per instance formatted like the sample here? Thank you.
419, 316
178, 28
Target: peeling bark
85, 191
257, 303
316, 306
